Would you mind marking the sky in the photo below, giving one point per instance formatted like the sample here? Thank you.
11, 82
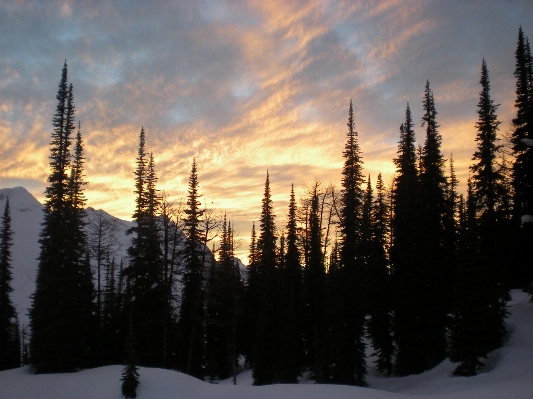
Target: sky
245, 87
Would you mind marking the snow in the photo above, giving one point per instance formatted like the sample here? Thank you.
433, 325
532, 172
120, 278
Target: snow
26, 218
508, 374
527, 142
527, 219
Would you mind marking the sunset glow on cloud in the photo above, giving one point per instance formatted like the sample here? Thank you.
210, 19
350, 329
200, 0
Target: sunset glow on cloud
245, 86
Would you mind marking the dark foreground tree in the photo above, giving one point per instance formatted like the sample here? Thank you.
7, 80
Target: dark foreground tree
522, 175
379, 325
469, 340
145, 293
434, 262
190, 323
291, 351
314, 281
489, 192
9, 345
409, 324
346, 312
130, 373
223, 297
62, 309
266, 367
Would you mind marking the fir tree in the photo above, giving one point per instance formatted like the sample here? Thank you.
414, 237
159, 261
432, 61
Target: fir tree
379, 324
266, 367
469, 339
291, 352
489, 192
9, 355
409, 322
450, 223
347, 362
252, 300
146, 295
190, 323
314, 281
61, 312
433, 260
523, 130
522, 177
222, 309
130, 373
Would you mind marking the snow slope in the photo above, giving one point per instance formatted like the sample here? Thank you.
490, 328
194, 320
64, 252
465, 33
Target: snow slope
26, 218
509, 374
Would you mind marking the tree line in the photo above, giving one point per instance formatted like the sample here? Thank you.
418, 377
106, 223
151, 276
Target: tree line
422, 271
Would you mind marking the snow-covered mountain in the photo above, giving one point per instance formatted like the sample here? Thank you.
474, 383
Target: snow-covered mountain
26, 219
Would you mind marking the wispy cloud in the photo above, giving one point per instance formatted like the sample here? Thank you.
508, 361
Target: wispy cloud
244, 86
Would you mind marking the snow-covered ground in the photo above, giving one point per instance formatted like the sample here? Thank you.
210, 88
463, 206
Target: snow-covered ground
508, 375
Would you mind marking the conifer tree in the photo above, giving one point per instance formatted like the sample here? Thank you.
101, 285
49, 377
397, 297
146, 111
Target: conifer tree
450, 223
470, 338
522, 147
9, 355
489, 192
291, 352
266, 367
252, 300
61, 312
409, 319
130, 373
434, 262
347, 362
190, 323
146, 296
223, 309
314, 280
379, 324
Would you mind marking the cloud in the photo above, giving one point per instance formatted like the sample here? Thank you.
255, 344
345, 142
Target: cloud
245, 86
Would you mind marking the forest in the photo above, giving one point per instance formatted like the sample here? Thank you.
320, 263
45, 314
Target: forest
416, 270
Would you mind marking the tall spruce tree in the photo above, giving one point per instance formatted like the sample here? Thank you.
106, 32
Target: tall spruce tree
223, 295
450, 223
409, 323
9, 352
266, 367
190, 324
489, 192
469, 339
347, 364
145, 294
62, 302
379, 324
434, 262
314, 280
252, 301
522, 175
130, 372
291, 351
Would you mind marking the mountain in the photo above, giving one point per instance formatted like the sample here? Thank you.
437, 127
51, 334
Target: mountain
27, 217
